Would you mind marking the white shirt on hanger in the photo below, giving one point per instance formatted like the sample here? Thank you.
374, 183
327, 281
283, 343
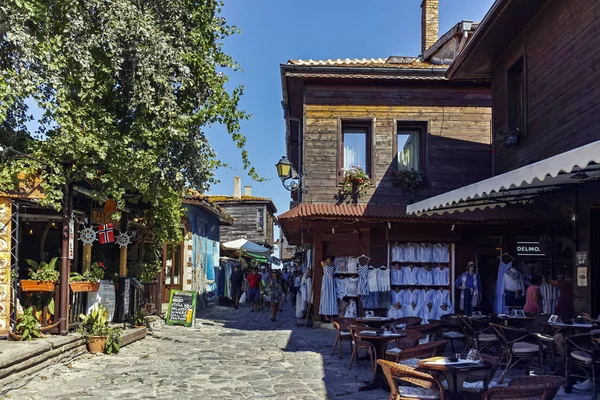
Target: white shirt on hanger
430, 296
410, 252
425, 251
396, 276
424, 277
410, 311
395, 313
441, 276
443, 297
410, 275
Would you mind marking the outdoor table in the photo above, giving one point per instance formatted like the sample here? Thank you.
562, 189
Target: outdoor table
454, 373
560, 326
512, 319
374, 322
380, 341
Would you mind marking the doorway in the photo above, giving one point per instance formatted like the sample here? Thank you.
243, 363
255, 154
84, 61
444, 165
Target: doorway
172, 269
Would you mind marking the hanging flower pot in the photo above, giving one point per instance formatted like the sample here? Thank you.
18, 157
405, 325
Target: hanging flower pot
84, 286
29, 285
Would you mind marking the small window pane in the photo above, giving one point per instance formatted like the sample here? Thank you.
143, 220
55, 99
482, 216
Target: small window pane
408, 150
178, 265
260, 220
169, 265
355, 148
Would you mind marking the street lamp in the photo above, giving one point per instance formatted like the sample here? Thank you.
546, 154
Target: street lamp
285, 171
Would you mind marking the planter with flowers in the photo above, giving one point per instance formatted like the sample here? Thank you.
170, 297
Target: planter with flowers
409, 179
89, 281
43, 276
355, 185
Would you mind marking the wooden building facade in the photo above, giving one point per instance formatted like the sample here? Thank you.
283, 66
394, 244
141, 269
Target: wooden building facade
390, 115
541, 58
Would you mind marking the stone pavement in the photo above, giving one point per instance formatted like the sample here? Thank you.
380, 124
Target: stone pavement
228, 355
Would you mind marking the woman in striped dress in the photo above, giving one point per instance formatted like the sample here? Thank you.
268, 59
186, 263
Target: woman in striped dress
329, 305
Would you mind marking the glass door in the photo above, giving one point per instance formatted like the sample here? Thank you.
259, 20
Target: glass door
173, 269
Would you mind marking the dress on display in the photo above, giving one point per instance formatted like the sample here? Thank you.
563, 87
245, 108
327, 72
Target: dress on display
383, 279
499, 306
351, 310
352, 287
373, 287
363, 280
329, 304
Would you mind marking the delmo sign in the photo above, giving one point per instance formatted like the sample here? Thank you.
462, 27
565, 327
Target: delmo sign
529, 249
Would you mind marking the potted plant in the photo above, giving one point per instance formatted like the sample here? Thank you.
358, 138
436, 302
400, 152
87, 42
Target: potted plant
409, 179
355, 185
100, 337
138, 320
43, 276
89, 281
28, 326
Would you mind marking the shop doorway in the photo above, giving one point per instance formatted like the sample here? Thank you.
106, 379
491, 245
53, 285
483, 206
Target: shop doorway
594, 260
487, 266
172, 269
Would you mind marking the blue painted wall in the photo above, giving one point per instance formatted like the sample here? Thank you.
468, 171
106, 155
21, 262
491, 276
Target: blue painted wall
205, 246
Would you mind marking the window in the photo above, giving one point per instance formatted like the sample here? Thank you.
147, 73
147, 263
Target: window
515, 96
409, 156
356, 147
260, 219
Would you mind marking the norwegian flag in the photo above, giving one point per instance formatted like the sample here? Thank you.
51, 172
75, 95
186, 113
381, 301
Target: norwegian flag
106, 234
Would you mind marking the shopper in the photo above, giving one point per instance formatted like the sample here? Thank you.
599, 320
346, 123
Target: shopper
236, 280
275, 294
253, 294
296, 287
533, 296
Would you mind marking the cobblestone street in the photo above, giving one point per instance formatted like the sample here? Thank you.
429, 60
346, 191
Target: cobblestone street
228, 355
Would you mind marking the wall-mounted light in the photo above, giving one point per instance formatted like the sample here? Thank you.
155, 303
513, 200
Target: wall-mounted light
31, 231
286, 172
573, 218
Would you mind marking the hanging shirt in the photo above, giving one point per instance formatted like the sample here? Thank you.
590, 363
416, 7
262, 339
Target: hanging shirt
430, 296
424, 252
396, 276
414, 296
398, 252
440, 312
513, 281
440, 253
410, 252
425, 315
395, 313
410, 311
550, 294
410, 275
441, 276
397, 296
424, 277
443, 297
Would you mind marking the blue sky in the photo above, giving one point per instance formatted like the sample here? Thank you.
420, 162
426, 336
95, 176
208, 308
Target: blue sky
274, 31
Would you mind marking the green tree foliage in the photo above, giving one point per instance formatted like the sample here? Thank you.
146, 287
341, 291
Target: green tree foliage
126, 88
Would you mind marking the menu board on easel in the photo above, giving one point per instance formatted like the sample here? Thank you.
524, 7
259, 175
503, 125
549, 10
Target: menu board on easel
182, 308
5, 247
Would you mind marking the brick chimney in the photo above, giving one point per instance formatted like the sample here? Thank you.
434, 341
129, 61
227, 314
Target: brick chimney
248, 191
430, 13
237, 187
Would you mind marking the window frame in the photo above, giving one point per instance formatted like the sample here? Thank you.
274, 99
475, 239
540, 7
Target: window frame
516, 95
421, 127
180, 247
260, 227
349, 123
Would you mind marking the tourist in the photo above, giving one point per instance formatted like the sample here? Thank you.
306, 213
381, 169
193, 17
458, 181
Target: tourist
236, 280
469, 285
254, 279
275, 294
296, 287
533, 297
285, 283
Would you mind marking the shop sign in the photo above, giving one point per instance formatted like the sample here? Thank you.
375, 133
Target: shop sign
101, 218
529, 249
71, 237
5, 246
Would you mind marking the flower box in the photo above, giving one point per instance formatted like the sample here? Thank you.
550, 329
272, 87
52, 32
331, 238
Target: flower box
84, 286
28, 285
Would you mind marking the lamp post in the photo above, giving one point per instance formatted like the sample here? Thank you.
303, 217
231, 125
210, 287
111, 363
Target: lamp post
286, 172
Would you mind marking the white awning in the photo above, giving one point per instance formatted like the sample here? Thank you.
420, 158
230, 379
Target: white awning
247, 246
521, 185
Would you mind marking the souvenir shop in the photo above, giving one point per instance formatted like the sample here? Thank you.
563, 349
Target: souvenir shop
398, 265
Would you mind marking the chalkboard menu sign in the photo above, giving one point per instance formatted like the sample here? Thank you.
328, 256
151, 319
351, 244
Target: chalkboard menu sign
182, 308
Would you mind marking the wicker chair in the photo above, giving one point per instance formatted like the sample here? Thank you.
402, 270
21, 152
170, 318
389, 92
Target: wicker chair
485, 376
425, 386
426, 329
527, 388
408, 321
452, 330
341, 326
410, 357
359, 344
545, 333
518, 345
582, 360
409, 341
480, 338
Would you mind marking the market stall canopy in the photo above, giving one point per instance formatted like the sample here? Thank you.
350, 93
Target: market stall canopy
573, 167
247, 246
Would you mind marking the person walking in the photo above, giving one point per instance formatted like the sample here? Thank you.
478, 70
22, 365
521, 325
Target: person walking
253, 295
285, 283
236, 280
469, 284
533, 297
275, 294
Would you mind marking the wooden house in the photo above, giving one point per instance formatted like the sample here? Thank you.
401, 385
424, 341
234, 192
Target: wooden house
254, 217
541, 58
389, 116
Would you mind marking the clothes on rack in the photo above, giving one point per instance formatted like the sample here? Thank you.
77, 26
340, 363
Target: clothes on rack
410, 275
424, 276
383, 279
441, 275
550, 295
352, 264
514, 289
351, 310
396, 275
420, 252
395, 313
363, 280
328, 305
352, 286
372, 275
340, 287
398, 252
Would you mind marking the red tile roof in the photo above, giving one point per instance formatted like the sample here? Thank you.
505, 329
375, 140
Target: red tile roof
390, 62
396, 212
243, 199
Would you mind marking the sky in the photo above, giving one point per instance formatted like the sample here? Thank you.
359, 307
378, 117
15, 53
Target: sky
274, 31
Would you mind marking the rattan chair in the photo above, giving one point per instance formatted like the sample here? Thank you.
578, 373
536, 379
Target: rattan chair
518, 345
582, 360
527, 388
341, 326
408, 321
411, 356
481, 338
452, 330
359, 344
425, 386
485, 376
409, 341
428, 330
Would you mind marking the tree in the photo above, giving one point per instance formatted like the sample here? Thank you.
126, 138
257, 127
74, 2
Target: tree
125, 89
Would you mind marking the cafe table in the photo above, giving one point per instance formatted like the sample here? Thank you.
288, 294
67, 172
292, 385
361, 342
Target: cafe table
380, 341
454, 372
511, 319
374, 322
559, 326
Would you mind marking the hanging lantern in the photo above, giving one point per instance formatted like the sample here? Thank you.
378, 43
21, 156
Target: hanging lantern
110, 206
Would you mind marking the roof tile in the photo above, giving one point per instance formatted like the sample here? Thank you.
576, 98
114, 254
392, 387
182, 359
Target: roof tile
390, 62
